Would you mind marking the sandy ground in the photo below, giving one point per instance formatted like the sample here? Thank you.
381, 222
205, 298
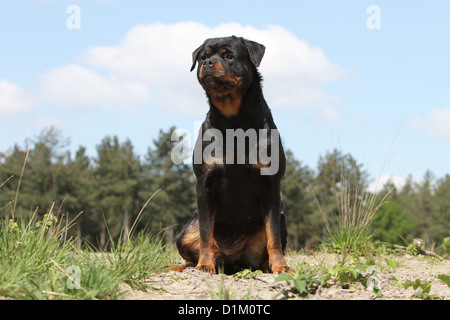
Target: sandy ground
192, 284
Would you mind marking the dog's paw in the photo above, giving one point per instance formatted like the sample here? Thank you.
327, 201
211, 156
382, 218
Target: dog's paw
206, 268
281, 269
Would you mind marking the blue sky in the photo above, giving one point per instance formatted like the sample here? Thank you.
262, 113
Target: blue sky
380, 94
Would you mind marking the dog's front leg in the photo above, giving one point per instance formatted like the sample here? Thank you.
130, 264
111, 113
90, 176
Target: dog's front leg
272, 219
206, 261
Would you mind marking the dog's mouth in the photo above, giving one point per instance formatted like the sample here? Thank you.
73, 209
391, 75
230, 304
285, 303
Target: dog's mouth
226, 83
209, 78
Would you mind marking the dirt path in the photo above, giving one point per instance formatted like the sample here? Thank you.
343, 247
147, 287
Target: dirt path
192, 284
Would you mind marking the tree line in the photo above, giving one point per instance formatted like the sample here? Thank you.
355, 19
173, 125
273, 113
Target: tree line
118, 190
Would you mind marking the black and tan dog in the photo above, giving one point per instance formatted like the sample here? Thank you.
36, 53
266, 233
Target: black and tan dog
238, 222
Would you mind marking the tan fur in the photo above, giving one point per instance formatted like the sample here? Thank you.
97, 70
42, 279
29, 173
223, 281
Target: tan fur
276, 258
256, 247
191, 240
228, 105
229, 102
213, 162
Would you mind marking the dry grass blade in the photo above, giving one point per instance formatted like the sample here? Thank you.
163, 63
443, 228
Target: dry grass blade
355, 208
140, 213
20, 178
1, 185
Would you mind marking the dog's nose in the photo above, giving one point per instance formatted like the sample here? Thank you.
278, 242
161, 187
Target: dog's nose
209, 62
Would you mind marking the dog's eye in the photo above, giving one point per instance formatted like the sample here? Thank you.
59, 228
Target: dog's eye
229, 56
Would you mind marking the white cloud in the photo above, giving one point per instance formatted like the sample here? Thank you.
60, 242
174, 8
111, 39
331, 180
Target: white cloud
159, 56
151, 64
435, 123
14, 99
76, 86
329, 114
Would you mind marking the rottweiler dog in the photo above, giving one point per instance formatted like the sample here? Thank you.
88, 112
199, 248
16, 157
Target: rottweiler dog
239, 162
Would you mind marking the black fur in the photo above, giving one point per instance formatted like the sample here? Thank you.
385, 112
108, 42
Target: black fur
234, 201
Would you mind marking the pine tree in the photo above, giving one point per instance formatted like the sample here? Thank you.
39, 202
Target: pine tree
338, 173
299, 203
10, 172
116, 184
441, 225
418, 201
391, 224
75, 187
170, 209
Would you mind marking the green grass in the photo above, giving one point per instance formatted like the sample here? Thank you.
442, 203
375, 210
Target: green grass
39, 261
350, 232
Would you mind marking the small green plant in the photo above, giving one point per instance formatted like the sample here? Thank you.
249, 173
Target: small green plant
176, 278
422, 287
391, 263
12, 227
247, 274
303, 284
445, 278
47, 222
345, 277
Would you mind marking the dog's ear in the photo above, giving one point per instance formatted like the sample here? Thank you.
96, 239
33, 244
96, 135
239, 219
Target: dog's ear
195, 56
255, 50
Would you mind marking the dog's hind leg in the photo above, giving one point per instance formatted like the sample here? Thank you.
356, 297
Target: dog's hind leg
188, 243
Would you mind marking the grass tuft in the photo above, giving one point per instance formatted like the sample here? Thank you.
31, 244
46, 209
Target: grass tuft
39, 261
356, 207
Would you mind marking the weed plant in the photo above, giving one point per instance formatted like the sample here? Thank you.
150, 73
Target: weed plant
39, 261
350, 232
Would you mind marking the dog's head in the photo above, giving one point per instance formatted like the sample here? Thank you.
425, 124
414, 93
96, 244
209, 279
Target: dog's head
227, 66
